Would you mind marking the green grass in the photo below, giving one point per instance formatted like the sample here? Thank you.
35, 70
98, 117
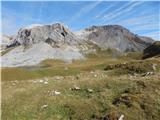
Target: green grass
114, 91
79, 105
25, 74
49, 68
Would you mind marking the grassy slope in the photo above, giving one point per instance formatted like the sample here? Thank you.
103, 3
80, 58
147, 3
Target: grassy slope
152, 51
49, 68
115, 92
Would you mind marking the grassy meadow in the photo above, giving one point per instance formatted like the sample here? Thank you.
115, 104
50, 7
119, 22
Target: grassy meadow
86, 90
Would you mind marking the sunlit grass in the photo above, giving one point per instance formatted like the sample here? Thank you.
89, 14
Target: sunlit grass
115, 92
24, 100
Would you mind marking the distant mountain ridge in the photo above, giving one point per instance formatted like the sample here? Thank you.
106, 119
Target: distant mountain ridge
117, 37
35, 43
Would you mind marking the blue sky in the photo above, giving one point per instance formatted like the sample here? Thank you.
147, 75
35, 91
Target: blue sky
140, 17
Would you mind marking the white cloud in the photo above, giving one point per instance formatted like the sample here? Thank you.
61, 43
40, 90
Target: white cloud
104, 10
144, 27
124, 10
84, 10
116, 10
138, 20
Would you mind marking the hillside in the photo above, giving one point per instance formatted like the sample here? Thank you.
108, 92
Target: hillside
115, 36
36, 43
97, 88
152, 50
50, 72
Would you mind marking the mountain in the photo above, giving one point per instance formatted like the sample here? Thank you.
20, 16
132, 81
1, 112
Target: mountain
152, 50
5, 41
147, 39
35, 43
54, 35
115, 36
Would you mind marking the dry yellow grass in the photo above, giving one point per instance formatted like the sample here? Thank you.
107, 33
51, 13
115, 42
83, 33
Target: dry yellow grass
26, 92
24, 99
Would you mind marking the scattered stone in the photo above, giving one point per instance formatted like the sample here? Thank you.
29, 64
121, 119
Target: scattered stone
59, 77
54, 92
130, 76
44, 106
41, 81
46, 82
121, 117
91, 72
90, 90
95, 75
134, 75
75, 88
57, 93
147, 74
16, 81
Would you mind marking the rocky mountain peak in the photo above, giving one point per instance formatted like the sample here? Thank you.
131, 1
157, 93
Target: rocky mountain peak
36, 42
52, 34
117, 37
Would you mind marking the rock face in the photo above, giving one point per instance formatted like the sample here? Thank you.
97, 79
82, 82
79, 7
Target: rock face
152, 50
35, 43
147, 39
5, 41
115, 36
20, 56
54, 35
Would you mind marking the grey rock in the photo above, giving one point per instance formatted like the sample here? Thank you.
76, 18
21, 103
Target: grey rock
5, 41
36, 43
55, 35
115, 37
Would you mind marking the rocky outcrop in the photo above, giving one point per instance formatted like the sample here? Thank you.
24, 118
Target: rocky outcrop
5, 41
36, 43
20, 56
115, 36
54, 35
